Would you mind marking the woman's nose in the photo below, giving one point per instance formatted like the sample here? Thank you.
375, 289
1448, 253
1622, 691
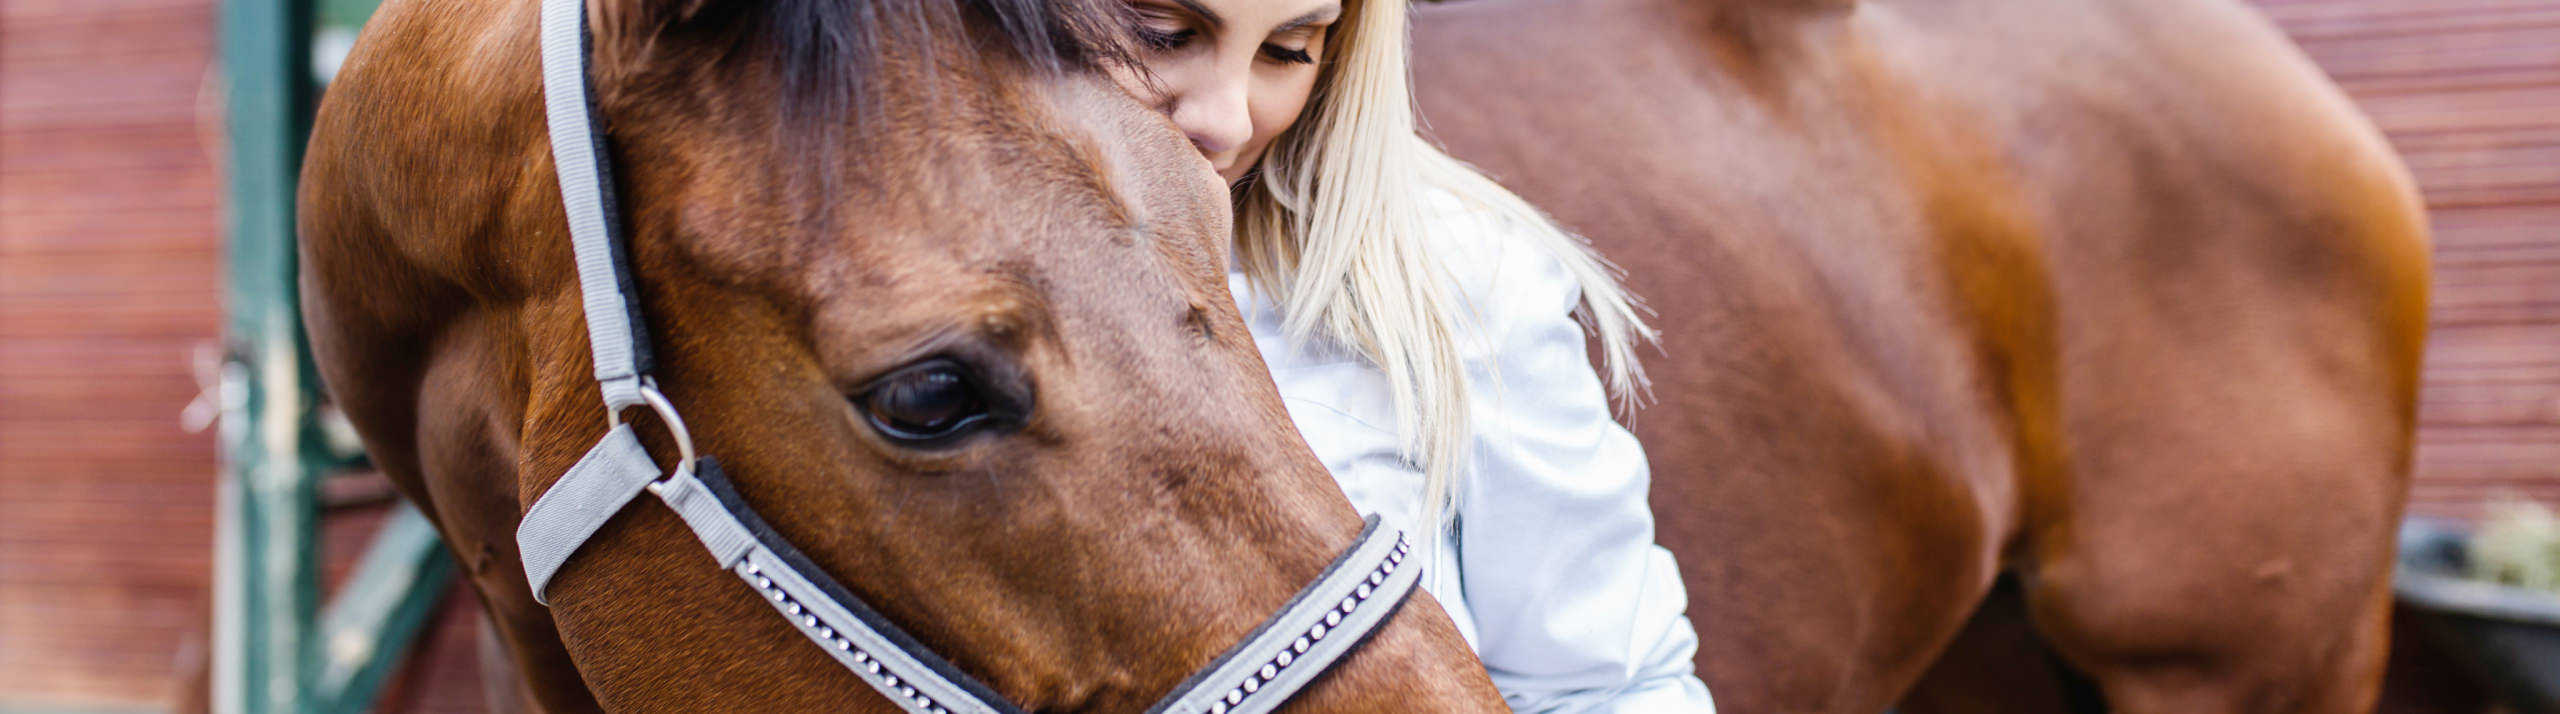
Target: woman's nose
1216, 115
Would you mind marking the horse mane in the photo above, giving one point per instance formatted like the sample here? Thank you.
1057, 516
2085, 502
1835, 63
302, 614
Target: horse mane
827, 51
826, 67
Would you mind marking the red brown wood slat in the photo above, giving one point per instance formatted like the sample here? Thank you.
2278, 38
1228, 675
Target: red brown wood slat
110, 274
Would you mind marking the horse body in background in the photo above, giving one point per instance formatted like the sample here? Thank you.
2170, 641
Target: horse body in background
945, 301
2120, 298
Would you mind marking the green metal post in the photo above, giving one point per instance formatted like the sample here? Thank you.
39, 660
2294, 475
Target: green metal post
268, 555
276, 649
369, 624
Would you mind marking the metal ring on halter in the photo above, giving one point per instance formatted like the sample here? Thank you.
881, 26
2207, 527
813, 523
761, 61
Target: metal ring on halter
675, 423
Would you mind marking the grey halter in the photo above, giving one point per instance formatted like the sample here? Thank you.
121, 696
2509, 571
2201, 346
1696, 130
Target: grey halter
1329, 618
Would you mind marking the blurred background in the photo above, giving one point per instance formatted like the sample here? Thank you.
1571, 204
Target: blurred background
146, 152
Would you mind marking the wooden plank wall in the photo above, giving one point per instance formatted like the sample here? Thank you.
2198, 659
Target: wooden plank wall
109, 270
109, 276
2469, 92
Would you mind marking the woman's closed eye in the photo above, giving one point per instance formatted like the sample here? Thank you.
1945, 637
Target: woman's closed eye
1166, 35
1163, 40
1296, 42
1283, 54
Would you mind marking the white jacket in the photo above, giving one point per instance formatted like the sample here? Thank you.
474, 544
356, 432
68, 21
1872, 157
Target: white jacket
1551, 571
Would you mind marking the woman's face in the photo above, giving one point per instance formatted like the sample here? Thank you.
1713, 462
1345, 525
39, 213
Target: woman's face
1232, 73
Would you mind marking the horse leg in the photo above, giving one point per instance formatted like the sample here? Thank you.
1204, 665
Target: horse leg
2236, 559
2240, 329
525, 668
1999, 663
465, 480
501, 685
2213, 664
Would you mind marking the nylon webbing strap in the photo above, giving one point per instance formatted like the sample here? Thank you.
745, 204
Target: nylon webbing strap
859, 638
586, 192
613, 472
618, 469
1358, 591
1325, 621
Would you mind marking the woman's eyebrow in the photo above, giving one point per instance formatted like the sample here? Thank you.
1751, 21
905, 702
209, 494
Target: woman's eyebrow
1327, 13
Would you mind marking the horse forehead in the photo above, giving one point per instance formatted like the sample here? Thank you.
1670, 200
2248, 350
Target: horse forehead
1059, 161
962, 181
1125, 152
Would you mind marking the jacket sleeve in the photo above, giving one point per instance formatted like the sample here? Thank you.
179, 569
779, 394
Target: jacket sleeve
1576, 607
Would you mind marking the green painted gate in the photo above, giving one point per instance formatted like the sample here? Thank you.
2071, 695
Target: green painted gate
279, 647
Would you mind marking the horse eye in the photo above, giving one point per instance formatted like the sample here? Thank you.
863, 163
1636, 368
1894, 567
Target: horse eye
925, 405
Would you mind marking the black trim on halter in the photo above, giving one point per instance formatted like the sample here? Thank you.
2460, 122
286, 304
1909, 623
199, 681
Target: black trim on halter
1201, 675
708, 470
642, 359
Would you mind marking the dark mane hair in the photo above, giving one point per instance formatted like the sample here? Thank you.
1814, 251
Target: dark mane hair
825, 51
827, 63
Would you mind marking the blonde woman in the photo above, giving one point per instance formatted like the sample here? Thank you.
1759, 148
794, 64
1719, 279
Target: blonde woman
1421, 324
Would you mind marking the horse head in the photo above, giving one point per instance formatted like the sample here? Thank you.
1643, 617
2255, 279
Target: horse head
948, 306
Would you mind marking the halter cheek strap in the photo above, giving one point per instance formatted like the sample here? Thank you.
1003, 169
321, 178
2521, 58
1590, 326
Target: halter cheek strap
1361, 588
612, 308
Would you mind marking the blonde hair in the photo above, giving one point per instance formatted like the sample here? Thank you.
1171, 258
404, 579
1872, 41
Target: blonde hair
1332, 228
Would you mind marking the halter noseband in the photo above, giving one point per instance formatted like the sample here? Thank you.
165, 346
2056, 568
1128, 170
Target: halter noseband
1324, 621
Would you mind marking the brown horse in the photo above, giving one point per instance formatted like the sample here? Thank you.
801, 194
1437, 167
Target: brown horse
2118, 297
822, 197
